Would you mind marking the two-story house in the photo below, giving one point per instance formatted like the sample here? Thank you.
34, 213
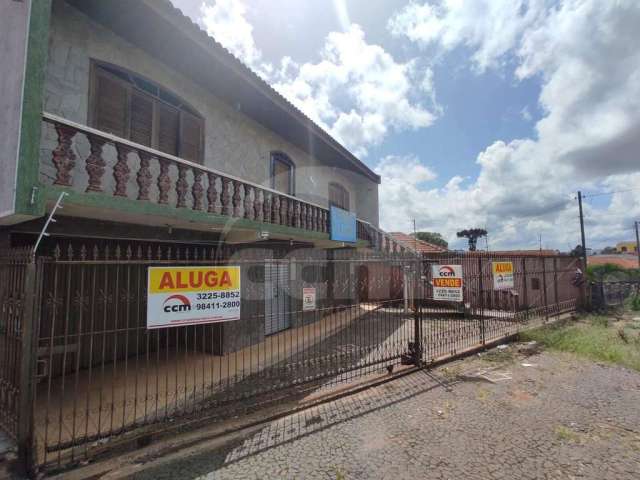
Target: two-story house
167, 150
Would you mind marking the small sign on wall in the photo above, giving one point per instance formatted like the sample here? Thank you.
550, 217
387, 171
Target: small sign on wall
196, 295
502, 275
308, 298
447, 282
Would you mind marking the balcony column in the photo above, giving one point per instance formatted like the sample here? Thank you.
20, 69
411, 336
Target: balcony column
182, 186
143, 178
237, 204
257, 205
63, 157
121, 170
164, 182
94, 165
266, 207
212, 194
197, 190
248, 202
226, 197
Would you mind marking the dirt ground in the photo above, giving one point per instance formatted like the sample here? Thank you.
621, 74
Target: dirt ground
514, 412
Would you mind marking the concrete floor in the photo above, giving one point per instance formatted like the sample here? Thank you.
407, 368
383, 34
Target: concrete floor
94, 404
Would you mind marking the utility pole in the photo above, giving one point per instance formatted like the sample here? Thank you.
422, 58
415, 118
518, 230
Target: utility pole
415, 236
584, 246
638, 243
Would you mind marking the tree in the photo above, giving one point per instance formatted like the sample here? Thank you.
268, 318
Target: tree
472, 235
432, 237
608, 250
576, 252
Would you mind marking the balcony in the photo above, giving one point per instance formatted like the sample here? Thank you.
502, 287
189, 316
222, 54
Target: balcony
85, 160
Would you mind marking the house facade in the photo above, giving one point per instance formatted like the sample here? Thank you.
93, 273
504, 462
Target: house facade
155, 131
159, 139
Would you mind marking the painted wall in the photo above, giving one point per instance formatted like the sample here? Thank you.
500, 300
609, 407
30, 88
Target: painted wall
14, 18
234, 143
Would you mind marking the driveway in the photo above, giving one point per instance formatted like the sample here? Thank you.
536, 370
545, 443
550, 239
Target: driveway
501, 415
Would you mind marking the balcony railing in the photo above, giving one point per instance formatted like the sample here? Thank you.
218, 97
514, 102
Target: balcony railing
90, 160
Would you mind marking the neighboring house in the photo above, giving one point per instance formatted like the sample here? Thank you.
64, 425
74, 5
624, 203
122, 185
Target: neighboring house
416, 245
626, 247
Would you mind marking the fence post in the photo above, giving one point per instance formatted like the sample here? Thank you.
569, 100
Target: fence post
525, 291
555, 284
544, 288
29, 329
417, 318
482, 334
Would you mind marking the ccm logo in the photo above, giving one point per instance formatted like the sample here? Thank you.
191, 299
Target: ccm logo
181, 304
446, 272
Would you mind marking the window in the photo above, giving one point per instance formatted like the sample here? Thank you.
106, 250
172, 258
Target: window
131, 107
338, 196
535, 284
282, 173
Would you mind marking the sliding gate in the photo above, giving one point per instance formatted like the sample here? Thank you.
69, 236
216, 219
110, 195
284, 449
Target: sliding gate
73, 327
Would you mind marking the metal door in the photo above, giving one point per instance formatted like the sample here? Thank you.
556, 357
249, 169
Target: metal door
276, 286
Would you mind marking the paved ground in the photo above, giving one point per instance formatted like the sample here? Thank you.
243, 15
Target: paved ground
554, 417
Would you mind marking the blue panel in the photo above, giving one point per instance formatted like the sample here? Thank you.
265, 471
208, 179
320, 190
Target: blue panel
343, 225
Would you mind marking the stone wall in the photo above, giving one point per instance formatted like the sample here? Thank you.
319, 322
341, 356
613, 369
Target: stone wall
234, 143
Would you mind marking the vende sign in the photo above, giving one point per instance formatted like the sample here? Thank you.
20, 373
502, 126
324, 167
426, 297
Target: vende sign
447, 282
192, 295
502, 275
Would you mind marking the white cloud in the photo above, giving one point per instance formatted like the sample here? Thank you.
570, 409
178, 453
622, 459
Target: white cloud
489, 27
225, 21
585, 53
356, 90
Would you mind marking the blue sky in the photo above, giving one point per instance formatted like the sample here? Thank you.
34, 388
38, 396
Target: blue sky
484, 113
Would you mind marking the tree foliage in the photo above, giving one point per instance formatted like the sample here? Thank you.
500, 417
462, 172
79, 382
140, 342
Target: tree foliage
576, 252
472, 235
434, 238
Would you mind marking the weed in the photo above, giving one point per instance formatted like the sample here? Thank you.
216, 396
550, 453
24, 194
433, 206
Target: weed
499, 356
566, 434
451, 373
589, 339
599, 321
623, 335
482, 394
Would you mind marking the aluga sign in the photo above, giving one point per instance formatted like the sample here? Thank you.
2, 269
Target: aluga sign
192, 295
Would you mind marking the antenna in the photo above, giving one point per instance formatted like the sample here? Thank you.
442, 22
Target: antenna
43, 233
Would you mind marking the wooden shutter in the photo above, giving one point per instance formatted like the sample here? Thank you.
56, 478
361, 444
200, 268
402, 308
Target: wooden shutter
141, 118
191, 128
168, 120
111, 106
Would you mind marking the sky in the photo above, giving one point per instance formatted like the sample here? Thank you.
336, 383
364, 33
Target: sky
476, 113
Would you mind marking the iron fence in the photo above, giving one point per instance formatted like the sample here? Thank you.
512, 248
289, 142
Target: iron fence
99, 372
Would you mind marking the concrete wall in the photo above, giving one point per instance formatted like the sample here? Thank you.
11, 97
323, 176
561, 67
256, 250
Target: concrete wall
234, 143
14, 21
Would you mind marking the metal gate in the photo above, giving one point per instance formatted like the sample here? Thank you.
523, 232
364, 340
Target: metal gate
276, 286
19, 296
72, 325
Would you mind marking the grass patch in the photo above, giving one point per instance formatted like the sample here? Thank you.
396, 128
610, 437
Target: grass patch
566, 434
592, 337
498, 355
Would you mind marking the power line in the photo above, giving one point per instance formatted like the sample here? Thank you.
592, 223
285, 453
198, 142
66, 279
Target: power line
602, 194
